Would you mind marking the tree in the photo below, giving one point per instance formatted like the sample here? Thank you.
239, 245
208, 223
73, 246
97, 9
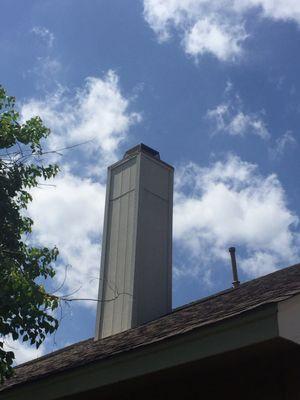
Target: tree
26, 308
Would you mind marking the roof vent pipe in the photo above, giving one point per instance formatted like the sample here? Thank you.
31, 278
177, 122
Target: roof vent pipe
236, 281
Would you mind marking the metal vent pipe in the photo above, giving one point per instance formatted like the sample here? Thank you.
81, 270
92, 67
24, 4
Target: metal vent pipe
236, 281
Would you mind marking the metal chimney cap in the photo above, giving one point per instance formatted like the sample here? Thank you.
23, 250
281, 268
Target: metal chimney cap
142, 148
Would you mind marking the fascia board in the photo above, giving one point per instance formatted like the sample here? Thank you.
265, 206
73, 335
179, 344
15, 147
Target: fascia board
289, 319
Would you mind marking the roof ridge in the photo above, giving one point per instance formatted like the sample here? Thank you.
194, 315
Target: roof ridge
231, 289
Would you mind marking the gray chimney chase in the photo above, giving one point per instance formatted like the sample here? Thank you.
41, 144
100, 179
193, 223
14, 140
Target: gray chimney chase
135, 281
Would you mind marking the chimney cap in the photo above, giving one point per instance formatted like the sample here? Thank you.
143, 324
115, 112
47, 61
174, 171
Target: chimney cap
142, 148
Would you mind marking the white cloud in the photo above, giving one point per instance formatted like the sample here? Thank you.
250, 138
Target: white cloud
230, 203
208, 36
261, 263
285, 10
44, 34
98, 113
230, 118
22, 350
213, 26
45, 70
47, 66
282, 143
69, 215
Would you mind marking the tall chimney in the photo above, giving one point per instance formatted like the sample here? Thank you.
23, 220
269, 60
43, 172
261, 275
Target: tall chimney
135, 280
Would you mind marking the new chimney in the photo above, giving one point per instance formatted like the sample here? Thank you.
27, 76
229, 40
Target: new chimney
135, 280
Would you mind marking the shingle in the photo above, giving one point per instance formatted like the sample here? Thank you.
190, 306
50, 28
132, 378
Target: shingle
274, 287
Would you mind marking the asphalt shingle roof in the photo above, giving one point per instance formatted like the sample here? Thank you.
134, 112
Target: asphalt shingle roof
271, 288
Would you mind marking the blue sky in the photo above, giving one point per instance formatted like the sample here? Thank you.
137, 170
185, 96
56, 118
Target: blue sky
214, 86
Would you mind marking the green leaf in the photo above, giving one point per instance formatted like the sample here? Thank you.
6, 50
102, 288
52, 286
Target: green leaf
24, 303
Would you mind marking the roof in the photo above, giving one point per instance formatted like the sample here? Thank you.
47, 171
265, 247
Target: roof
271, 288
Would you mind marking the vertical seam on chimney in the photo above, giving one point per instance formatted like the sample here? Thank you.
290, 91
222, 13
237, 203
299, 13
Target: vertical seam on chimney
170, 253
116, 289
124, 289
135, 221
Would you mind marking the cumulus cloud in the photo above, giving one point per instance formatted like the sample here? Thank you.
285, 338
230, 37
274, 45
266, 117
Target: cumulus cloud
69, 214
209, 36
213, 26
98, 113
231, 203
230, 118
285, 10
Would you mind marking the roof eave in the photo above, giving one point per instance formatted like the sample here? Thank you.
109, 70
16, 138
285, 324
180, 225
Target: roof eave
255, 326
